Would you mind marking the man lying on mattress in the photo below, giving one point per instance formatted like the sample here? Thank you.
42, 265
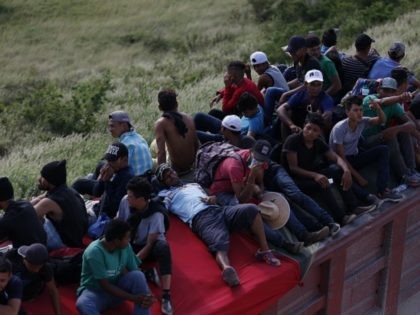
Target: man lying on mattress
211, 222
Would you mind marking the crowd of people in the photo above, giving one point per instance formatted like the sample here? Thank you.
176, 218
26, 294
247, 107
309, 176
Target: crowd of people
288, 151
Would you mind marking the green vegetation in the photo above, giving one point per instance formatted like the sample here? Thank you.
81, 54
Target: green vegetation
66, 64
282, 18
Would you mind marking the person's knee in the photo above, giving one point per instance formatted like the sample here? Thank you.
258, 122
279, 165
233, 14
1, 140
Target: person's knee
84, 306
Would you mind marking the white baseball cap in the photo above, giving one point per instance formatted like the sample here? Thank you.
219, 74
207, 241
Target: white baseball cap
313, 75
258, 57
232, 122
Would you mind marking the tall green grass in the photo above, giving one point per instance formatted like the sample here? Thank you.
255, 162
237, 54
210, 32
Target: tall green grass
142, 45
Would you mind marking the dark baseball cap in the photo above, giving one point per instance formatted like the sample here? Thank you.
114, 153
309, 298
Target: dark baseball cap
35, 254
261, 151
120, 116
363, 41
295, 43
115, 151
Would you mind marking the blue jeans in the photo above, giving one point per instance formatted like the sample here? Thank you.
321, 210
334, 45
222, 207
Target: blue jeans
378, 155
93, 302
206, 122
272, 95
54, 240
208, 127
277, 179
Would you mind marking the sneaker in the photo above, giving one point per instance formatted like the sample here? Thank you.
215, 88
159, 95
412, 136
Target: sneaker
152, 276
230, 276
348, 218
388, 195
364, 209
317, 236
293, 247
166, 305
411, 180
334, 228
372, 199
268, 257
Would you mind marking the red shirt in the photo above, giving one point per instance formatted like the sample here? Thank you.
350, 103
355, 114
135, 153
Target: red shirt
232, 93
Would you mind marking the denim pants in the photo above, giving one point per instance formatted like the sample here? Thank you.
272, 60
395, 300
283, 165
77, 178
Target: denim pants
208, 127
272, 95
401, 152
277, 179
93, 302
378, 155
309, 186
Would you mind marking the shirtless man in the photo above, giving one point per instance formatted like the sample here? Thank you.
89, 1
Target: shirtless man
175, 131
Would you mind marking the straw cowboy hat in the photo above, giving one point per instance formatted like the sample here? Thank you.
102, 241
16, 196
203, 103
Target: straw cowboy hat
275, 209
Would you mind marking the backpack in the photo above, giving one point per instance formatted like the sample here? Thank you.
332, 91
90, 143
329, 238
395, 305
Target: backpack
66, 264
209, 156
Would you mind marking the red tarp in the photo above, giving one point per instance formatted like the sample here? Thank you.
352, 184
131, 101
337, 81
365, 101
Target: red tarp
197, 287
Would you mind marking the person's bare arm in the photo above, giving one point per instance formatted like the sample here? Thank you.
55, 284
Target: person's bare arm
160, 141
12, 307
246, 190
295, 169
145, 251
47, 206
335, 85
54, 296
380, 118
286, 95
346, 180
406, 125
282, 113
359, 178
37, 199
264, 82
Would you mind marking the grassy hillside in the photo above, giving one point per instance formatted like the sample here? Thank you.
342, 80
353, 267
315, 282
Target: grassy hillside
62, 57
48, 48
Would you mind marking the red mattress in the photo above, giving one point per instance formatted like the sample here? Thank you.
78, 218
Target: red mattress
197, 287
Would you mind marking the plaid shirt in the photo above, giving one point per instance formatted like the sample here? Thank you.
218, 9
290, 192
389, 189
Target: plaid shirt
139, 157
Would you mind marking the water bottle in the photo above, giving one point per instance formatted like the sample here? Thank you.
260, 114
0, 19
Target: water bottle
399, 189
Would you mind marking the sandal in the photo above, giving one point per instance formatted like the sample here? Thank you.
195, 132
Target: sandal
268, 257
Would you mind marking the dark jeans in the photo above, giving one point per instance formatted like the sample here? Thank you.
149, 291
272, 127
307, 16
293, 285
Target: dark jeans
272, 95
277, 179
378, 155
401, 152
162, 253
310, 187
208, 127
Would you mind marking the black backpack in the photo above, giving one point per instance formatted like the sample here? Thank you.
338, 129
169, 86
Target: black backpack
208, 158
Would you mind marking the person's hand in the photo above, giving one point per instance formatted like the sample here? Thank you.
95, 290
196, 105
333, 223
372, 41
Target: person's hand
106, 172
375, 104
211, 200
215, 100
144, 300
346, 180
362, 182
248, 71
322, 180
227, 79
295, 129
406, 97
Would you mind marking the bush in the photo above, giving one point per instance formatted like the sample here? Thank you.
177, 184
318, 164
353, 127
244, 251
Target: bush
48, 109
298, 17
